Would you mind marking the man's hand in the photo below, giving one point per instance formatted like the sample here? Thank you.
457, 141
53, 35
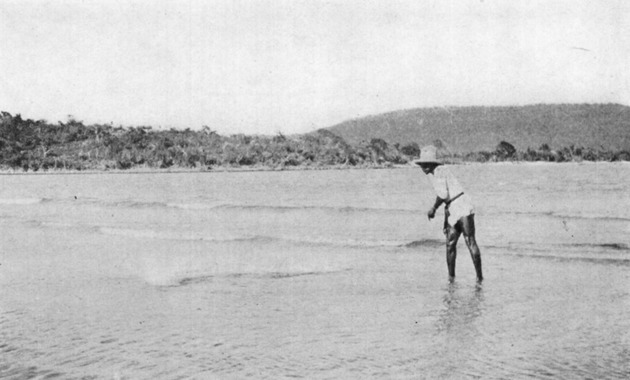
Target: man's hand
431, 213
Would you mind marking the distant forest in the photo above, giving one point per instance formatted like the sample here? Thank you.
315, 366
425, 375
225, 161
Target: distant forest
36, 145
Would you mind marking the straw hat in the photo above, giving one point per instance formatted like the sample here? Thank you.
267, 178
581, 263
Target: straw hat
428, 155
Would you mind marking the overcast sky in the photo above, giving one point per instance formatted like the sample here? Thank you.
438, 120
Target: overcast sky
294, 66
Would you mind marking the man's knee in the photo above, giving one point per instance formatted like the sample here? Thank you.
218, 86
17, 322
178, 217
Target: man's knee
451, 245
452, 236
471, 242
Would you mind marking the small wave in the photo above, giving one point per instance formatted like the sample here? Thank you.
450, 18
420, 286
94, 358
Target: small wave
346, 243
194, 206
133, 204
611, 246
573, 246
137, 204
162, 235
432, 243
589, 217
279, 275
528, 213
184, 236
596, 253
283, 275
344, 209
573, 258
342, 243
202, 206
565, 216
256, 239
21, 201
192, 280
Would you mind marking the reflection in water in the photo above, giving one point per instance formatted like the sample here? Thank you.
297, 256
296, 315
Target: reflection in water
457, 330
462, 307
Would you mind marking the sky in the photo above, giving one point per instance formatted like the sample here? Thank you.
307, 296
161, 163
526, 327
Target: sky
292, 66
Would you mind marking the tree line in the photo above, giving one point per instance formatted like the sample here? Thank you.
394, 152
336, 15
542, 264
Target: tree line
34, 145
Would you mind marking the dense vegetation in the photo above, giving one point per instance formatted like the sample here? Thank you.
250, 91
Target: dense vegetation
33, 145
38, 145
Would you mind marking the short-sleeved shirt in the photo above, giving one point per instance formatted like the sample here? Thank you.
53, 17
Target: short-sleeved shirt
447, 187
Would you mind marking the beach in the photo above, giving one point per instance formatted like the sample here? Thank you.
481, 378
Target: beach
314, 274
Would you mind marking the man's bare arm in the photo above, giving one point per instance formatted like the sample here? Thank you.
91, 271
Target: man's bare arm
432, 210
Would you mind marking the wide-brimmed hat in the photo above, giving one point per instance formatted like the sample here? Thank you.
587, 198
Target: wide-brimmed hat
428, 155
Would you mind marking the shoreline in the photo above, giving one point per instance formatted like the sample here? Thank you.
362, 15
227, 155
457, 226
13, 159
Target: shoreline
11, 172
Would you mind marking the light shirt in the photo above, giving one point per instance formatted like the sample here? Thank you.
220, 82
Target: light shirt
447, 187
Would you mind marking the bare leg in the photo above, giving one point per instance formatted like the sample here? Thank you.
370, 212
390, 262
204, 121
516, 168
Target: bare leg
452, 235
468, 228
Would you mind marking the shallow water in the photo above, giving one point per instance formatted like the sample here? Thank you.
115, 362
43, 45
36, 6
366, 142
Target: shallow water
314, 274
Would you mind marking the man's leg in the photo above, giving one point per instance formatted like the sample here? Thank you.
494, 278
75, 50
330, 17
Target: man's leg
452, 235
468, 228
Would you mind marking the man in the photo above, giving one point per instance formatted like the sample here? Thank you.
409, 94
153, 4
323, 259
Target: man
459, 215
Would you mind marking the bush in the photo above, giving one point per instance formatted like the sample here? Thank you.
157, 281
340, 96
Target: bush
412, 150
622, 156
505, 150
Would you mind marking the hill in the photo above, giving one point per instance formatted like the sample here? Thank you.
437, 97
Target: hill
472, 129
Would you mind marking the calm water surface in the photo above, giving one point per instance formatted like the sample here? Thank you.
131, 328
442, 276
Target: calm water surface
314, 274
